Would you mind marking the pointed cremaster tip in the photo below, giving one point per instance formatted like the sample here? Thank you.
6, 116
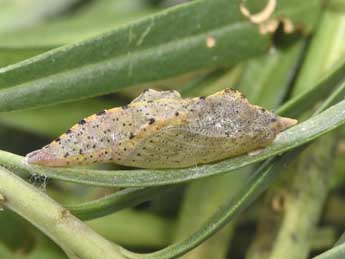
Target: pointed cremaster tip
286, 122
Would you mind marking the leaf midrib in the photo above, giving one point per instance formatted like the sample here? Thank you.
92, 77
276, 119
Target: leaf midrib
86, 68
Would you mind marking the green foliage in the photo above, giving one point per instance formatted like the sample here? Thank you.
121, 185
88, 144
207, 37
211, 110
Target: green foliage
56, 66
147, 50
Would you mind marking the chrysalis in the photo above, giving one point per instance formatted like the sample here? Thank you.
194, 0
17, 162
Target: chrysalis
159, 129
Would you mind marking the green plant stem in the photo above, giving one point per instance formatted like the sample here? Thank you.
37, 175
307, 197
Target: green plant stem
310, 185
304, 200
306, 191
271, 222
73, 236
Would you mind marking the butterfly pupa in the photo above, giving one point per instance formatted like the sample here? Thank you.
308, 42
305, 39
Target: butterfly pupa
159, 129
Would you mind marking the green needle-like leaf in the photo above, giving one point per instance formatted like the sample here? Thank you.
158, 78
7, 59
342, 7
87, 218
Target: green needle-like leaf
296, 106
115, 202
150, 49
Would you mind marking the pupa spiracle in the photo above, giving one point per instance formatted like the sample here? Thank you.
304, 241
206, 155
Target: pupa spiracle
159, 129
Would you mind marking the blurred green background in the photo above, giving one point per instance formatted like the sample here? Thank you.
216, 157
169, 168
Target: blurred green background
272, 69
